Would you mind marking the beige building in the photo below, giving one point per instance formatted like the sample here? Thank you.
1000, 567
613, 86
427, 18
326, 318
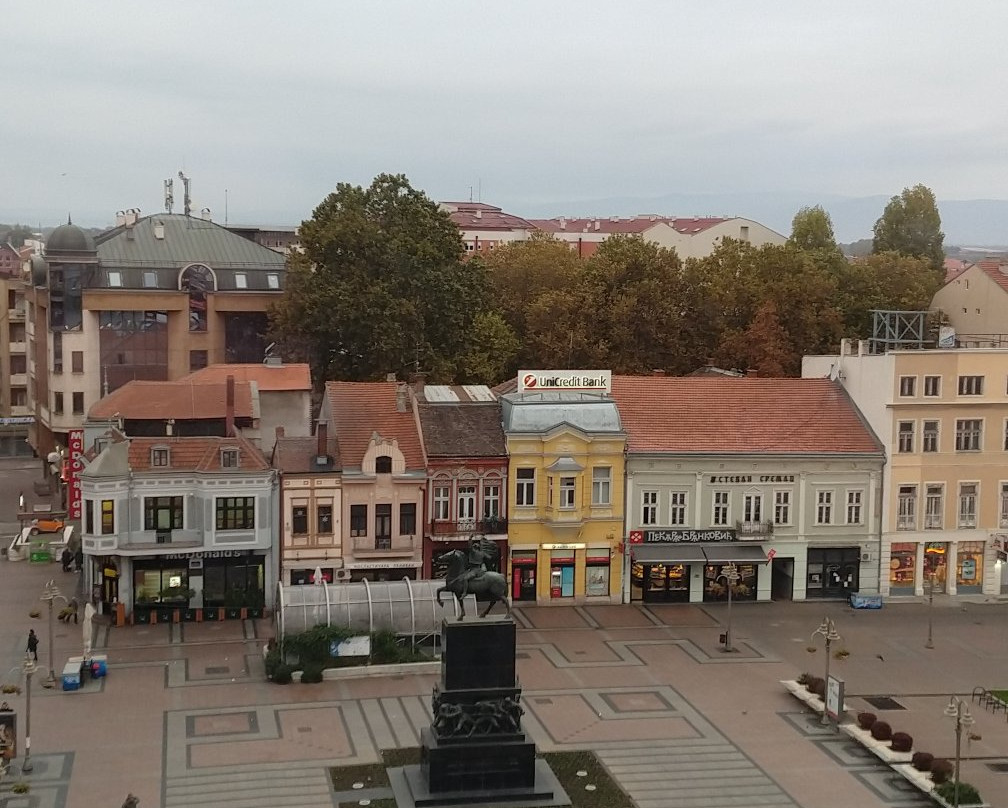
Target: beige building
15, 415
975, 304
943, 417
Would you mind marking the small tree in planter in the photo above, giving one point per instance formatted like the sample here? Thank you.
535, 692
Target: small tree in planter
921, 761
865, 720
968, 795
901, 742
941, 770
881, 731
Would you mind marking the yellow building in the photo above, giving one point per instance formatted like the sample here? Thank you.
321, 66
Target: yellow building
565, 492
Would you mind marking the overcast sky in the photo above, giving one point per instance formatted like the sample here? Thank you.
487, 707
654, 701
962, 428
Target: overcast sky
524, 103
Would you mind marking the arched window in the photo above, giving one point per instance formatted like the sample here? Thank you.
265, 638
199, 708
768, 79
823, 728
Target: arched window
383, 464
197, 280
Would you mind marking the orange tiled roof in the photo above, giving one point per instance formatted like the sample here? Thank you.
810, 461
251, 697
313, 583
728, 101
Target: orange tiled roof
268, 377
195, 454
360, 409
182, 400
619, 225
996, 271
701, 414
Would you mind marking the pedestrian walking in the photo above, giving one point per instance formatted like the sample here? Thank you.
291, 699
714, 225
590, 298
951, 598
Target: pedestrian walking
32, 644
74, 606
66, 558
79, 559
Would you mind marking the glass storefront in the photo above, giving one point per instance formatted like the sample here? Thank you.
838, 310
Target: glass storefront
902, 568
969, 567
163, 585
833, 572
716, 583
597, 577
660, 583
935, 565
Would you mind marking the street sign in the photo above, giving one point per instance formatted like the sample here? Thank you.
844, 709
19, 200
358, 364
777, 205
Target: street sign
771, 553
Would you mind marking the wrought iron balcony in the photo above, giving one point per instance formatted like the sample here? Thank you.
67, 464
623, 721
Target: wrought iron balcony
467, 527
382, 545
752, 529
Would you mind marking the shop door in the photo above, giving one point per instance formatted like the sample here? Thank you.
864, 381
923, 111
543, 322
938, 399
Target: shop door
935, 554
782, 578
666, 583
523, 583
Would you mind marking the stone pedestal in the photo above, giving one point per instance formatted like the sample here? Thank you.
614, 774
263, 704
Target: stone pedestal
475, 749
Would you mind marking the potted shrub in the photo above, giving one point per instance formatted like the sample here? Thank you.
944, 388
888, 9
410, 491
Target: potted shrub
312, 673
803, 680
818, 687
901, 742
941, 770
921, 761
968, 795
866, 719
881, 731
281, 674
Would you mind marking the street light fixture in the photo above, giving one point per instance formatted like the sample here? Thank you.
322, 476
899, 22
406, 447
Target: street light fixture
731, 574
29, 667
930, 639
959, 710
49, 594
828, 630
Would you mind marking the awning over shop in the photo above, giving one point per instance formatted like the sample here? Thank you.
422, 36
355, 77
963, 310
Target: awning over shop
745, 553
667, 553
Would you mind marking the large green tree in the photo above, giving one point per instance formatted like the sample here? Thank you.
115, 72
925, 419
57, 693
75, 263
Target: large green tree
380, 287
812, 231
16, 234
911, 225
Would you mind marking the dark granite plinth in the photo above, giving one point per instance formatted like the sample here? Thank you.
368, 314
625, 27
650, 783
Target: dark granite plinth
477, 654
411, 789
489, 763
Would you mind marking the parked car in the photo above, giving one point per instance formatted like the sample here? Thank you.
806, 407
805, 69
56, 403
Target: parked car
46, 526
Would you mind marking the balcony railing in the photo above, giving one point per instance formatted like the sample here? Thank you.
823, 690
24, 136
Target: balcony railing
932, 523
748, 529
382, 545
906, 523
465, 527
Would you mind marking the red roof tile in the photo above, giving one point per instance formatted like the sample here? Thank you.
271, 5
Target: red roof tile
181, 400
195, 454
701, 414
616, 224
268, 377
996, 271
359, 409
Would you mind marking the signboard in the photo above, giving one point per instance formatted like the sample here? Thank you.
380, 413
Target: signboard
17, 420
747, 479
351, 647
535, 381
946, 336
208, 554
563, 547
834, 698
680, 536
75, 438
8, 732
771, 553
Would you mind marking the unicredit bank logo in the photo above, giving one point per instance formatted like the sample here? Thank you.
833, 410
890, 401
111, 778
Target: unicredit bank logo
530, 381
596, 381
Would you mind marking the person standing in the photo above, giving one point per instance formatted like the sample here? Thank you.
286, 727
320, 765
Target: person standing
32, 644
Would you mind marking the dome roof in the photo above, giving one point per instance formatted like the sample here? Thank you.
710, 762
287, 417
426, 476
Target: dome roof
69, 238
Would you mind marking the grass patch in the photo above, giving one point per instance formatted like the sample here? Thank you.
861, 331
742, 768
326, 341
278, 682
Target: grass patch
565, 765
1001, 694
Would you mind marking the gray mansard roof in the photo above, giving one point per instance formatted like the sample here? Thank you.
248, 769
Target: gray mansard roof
534, 413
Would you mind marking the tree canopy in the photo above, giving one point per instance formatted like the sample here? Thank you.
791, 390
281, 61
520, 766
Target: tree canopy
15, 234
911, 225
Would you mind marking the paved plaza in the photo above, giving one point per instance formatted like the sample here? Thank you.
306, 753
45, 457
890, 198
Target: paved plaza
186, 718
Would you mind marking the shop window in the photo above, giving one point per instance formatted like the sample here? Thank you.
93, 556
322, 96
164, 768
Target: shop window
568, 487
968, 432
649, 507
907, 385
905, 439
299, 520
235, 513
303, 577
107, 517
906, 513
323, 517
383, 465
932, 385
716, 582
383, 527
971, 385
163, 513
721, 508
902, 565
562, 578
358, 520
930, 441
491, 501
833, 571
854, 507
407, 518
967, 505
935, 565
824, 507
677, 508
525, 486
442, 502
782, 507
601, 485
934, 507
597, 579
969, 566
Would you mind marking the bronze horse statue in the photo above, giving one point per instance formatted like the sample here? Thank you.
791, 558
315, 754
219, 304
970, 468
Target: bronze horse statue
467, 575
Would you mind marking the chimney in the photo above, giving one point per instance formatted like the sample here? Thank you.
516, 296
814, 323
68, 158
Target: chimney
159, 231
390, 377
597, 224
563, 223
401, 398
479, 213
419, 382
229, 403
658, 372
322, 432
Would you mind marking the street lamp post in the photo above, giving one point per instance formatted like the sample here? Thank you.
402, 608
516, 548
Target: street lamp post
930, 639
731, 574
959, 710
49, 594
28, 667
828, 630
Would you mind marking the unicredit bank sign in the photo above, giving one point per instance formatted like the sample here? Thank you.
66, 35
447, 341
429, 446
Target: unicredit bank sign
596, 381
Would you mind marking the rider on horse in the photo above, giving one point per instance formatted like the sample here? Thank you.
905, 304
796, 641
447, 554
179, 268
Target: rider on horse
476, 560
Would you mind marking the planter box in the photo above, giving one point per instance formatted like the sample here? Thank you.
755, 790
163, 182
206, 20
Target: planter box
880, 749
962, 804
255, 614
189, 615
233, 612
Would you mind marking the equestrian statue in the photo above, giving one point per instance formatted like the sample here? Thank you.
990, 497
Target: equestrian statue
468, 575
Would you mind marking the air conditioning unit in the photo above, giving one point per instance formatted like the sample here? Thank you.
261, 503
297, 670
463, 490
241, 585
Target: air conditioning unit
866, 556
342, 575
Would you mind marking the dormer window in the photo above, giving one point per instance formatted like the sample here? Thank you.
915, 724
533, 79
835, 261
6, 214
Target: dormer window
229, 458
273, 280
115, 278
160, 457
241, 280
383, 465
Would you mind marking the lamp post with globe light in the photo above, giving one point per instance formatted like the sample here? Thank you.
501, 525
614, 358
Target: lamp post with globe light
731, 574
49, 594
959, 710
28, 666
828, 630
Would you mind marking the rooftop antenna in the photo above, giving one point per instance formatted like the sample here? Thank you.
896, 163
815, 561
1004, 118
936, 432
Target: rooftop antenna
470, 193
479, 189
169, 198
225, 207
187, 202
